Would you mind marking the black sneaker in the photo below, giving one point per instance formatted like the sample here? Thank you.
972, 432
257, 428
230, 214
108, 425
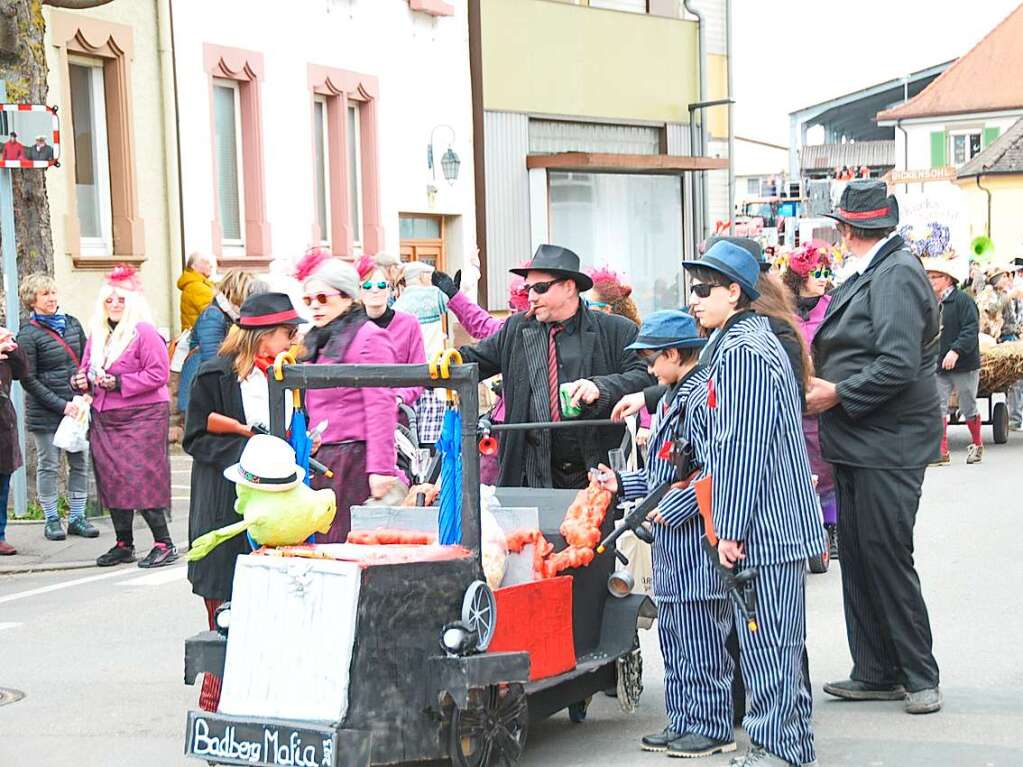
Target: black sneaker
82, 527
54, 530
659, 741
693, 745
832, 541
121, 554
162, 554
850, 689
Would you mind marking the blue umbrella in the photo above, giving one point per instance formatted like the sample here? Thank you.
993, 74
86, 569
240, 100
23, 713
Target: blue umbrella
299, 440
449, 520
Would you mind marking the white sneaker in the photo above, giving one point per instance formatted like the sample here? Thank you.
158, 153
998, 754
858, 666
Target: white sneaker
974, 453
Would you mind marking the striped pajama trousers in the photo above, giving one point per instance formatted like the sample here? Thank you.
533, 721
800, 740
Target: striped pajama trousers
697, 668
779, 706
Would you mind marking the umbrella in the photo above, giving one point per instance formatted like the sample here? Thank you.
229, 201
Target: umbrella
450, 447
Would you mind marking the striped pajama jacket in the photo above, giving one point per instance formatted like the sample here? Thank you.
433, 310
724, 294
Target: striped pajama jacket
694, 618
763, 496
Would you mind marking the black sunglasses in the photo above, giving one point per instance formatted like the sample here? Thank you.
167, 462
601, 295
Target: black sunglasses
703, 289
542, 287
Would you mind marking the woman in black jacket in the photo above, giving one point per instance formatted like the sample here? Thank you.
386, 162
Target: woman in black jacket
233, 384
53, 343
13, 366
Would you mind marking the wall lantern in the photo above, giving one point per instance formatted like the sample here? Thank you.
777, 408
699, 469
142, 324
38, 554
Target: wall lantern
449, 161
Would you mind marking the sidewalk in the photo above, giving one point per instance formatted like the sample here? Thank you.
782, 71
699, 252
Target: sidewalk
36, 554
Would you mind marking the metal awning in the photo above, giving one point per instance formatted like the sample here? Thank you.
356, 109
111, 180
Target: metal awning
592, 162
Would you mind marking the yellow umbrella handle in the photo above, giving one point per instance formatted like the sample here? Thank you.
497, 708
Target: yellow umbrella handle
282, 359
440, 367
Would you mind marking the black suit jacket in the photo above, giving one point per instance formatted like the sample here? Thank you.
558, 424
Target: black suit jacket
879, 344
615, 371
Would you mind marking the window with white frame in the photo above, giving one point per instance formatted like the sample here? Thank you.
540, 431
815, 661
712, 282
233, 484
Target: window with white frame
753, 185
964, 146
355, 176
228, 150
92, 162
322, 169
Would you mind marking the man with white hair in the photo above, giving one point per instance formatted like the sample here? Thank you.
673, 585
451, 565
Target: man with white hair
197, 289
426, 303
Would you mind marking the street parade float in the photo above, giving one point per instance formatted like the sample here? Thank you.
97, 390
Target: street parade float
433, 633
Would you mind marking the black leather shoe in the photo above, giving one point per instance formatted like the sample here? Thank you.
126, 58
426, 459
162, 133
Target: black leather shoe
54, 530
660, 740
850, 689
82, 527
693, 745
119, 555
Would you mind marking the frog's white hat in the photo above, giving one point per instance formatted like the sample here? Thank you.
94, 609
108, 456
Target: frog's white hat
267, 463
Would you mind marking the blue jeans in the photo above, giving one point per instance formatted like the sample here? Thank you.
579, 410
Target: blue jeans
5, 488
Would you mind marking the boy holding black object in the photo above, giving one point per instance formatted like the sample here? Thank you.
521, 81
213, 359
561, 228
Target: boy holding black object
694, 617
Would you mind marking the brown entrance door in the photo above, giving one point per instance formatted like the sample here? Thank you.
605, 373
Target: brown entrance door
422, 238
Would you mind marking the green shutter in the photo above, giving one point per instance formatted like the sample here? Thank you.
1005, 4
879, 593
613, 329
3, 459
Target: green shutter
990, 134
939, 149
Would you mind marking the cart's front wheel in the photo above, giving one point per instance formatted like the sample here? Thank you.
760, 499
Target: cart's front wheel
819, 564
630, 679
1000, 423
492, 729
577, 711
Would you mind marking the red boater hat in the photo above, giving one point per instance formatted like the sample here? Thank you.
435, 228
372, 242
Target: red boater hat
867, 205
268, 310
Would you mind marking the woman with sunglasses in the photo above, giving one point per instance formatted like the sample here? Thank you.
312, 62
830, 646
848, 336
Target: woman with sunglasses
125, 367
807, 277
233, 384
358, 444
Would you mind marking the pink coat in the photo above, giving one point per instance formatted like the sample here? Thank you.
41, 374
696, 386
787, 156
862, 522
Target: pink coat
361, 415
813, 321
142, 370
407, 338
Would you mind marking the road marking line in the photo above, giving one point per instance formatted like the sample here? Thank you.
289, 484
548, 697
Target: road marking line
59, 586
8, 626
158, 578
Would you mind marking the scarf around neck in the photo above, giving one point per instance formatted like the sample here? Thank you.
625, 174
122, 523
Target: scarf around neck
56, 322
227, 307
336, 334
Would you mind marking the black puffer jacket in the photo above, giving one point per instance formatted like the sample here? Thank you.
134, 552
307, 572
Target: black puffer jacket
48, 383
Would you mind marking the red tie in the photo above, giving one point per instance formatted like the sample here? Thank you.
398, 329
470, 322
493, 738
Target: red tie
552, 372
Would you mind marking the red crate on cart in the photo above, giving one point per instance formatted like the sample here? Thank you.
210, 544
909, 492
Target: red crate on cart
536, 618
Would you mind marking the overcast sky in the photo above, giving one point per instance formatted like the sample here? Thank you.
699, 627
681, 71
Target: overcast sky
792, 53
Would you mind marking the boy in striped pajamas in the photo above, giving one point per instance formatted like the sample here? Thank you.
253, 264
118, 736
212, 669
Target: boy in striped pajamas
693, 615
765, 511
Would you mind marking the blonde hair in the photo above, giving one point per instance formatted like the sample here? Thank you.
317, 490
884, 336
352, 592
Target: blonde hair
110, 344
236, 285
34, 284
243, 345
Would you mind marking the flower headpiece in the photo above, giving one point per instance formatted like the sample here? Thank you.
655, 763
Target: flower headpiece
309, 263
806, 258
609, 284
124, 277
365, 266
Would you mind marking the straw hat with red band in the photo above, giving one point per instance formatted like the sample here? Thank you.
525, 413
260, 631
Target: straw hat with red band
124, 277
268, 310
866, 204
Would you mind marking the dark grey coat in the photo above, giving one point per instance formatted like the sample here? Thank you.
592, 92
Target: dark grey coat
615, 371
879, 344
48, 383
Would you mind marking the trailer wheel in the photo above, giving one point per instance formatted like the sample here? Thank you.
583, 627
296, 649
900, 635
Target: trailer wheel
492, 729
577, 711
1000, 423
630, 679
819, 564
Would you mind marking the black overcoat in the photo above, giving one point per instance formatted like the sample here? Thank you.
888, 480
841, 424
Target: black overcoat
879, 344
15, 367
960, 326
211, 505
605, 361
48, 383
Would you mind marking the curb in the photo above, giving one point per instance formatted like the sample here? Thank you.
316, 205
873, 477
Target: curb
50, 567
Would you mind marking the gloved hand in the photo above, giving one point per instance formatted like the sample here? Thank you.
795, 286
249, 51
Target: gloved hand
445, 284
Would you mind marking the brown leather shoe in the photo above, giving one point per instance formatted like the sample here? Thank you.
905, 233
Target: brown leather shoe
7, 549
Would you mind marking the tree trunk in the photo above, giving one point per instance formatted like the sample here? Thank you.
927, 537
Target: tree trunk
23, 67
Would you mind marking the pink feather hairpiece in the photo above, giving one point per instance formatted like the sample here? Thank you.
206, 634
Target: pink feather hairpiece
309, 263
365, 266
124, 277
609, 283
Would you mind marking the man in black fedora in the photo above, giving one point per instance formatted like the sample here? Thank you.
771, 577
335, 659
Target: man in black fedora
558, 343
880, 426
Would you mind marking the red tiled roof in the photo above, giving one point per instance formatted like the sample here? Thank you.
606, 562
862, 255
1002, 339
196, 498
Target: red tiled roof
984, 80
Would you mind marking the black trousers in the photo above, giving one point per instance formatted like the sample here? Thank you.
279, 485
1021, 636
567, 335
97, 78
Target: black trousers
885, 615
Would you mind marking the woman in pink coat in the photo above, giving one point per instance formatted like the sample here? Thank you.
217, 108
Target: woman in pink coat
125, 367
358, 444
807, 276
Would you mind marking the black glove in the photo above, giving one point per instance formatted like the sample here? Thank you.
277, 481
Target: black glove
445, 284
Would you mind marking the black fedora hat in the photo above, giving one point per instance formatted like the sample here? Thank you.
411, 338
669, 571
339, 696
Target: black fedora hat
268, 310
866, 204
559, 261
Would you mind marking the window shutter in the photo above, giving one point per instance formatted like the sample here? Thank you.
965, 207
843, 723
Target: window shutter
990, 134
939, 148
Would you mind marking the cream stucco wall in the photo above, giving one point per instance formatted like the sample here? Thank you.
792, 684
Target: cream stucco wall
1006, 204
154, 163
422, 66
556, 59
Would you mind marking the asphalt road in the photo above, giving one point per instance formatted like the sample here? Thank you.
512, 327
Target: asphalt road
98, 655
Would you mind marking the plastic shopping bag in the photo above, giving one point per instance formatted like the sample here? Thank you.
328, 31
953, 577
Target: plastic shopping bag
73, 432
180, 351
641, 564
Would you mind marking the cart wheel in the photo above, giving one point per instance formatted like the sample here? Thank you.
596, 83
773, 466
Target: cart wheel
630, 680
492, 729
1000, 423
819, 564
479, 612
577, 711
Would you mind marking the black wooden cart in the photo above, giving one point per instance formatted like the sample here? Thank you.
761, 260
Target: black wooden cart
409, 700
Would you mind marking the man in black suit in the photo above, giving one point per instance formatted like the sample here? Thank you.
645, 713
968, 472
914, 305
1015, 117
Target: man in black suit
876, 355
558, 342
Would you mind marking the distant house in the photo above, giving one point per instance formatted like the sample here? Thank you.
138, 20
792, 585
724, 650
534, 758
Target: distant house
992, 183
